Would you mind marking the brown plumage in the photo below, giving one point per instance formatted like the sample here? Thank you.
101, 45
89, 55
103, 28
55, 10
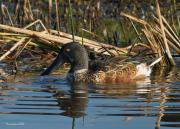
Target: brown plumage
116, 73
111, 70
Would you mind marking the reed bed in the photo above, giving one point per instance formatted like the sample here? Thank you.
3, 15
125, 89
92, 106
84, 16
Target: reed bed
160, 36
156, 37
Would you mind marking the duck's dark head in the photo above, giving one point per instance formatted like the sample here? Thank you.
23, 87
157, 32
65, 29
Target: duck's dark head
73, 53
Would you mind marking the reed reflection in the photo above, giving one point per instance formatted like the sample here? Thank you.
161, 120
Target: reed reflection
167, 79
156, 97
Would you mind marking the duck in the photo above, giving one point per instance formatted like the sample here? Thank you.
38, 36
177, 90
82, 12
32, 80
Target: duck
76, 55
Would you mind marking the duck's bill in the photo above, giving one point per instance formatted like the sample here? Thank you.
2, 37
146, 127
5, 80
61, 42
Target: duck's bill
58, 62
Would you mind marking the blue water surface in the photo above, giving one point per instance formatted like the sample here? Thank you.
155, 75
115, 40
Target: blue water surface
34, 102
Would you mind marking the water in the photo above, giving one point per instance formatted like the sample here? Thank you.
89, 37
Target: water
33, 102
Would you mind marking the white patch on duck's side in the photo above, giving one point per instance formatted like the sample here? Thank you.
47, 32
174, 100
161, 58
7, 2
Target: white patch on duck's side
78, 75
143, 69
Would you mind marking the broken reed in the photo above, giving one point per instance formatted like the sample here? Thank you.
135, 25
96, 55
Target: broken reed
164, 43
151, 30
160, 36
49, 39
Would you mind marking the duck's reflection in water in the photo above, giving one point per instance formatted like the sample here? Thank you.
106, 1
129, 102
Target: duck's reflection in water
73, 102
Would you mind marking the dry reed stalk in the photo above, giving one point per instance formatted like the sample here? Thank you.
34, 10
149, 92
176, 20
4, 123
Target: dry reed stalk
157, 45
154, 49
107, 50
12, 48
5, 35
50, 12
90, 27
26, 10
151, 40
44, 43
178, 22
175, 42
9, 34
92, 44
57, 15
82, 35
38, 20
169, 31
147, 32
162, 50
158, 37
34, 34
23, 47
172, 44
5, 9
72, 21
134, 27
137, 33
30, 11
169, 28
8, 39
164, 35
92, 33
18, 43
148, 38
16, 15
134, 19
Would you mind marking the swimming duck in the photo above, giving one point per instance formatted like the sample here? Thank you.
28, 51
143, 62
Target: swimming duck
80, 70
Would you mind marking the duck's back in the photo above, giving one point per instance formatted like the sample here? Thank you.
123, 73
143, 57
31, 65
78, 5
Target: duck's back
125, 72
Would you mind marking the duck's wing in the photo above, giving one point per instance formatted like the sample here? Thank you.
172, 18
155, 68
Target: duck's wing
117, 72
105, 64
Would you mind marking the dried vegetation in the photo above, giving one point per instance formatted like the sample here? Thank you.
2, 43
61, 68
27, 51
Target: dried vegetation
156, 36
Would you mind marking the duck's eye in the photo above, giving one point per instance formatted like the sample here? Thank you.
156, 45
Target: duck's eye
68, 50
